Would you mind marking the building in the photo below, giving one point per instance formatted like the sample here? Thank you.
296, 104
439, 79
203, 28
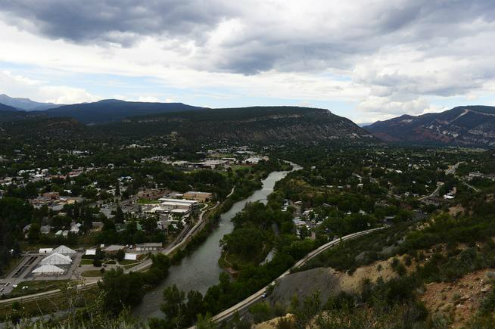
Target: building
129, 256
152, 246
90, 252
96, 226
45, 229
113, 249
48, 270
198, 196
75, 228
169, 204
56, 259
63, 250
45, 250
51, 195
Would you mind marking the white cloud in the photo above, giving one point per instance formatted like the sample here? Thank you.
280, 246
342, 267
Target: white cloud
19, 86
388, 58
148, 99
66, 95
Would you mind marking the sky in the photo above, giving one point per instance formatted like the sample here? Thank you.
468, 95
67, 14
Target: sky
365, 60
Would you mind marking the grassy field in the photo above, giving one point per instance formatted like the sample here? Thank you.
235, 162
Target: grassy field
32, 287
48, 304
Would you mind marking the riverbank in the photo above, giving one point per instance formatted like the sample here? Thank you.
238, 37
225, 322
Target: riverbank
212, 223
200, 269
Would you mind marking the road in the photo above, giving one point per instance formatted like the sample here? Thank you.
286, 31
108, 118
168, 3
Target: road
434, 193
452, 170
243, 305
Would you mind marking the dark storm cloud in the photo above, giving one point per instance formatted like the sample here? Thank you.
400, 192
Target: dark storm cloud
116, 21
269, 40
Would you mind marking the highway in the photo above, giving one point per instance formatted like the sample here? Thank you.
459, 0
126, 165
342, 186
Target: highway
243, 305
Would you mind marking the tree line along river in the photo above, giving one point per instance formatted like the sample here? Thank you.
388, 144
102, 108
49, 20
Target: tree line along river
200, 270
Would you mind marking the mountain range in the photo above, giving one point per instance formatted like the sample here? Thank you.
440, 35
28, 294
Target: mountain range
110, 110
460, 126
25, 103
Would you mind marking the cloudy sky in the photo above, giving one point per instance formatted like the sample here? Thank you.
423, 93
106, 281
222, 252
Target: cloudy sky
366, 60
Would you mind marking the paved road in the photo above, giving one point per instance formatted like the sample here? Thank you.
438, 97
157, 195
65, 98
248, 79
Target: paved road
243, 305
434, 193
452, 170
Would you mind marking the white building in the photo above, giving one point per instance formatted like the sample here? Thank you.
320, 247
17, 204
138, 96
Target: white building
64, 250
48, 270
129, 256
90, 252
56, 259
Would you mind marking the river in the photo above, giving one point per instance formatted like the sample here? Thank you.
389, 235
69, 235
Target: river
200, 270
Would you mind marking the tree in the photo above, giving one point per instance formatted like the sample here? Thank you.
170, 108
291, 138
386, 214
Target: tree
121, 290
174, 306
119, 215
117, 188
205, 322
149, 224
34, 232
194, 306
120, 255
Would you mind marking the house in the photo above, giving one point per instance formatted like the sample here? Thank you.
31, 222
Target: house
51, 195
90, 252
45, 250
45, 229
63, 233
97, 226
75, 228
26, 228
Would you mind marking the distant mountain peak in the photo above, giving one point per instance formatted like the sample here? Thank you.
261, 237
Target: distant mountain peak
25, 104
112, 110
472, 125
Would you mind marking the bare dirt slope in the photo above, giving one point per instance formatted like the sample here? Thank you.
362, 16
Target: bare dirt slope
457, 302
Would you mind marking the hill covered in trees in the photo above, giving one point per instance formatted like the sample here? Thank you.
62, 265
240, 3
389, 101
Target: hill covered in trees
244, 125
110, 110
261, 125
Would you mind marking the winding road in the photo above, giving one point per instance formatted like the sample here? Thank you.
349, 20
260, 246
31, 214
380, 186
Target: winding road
243, 305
